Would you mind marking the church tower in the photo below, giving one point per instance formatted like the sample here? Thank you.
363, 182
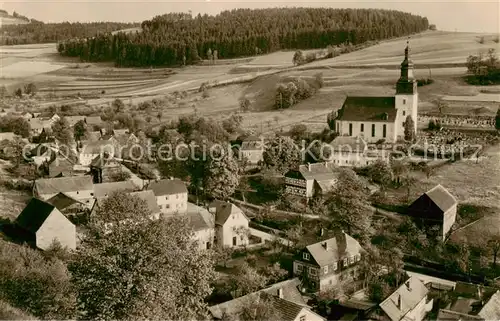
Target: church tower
406, 94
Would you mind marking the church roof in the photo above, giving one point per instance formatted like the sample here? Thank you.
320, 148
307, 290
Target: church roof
374, 109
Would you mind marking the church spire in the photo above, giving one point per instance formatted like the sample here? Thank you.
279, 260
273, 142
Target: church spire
406, 80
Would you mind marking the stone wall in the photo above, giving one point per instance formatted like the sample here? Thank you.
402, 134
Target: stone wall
459, 121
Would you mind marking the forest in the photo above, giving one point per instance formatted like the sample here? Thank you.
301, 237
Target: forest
180, 39
39, 32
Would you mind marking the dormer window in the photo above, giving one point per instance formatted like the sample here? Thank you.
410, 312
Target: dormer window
306, 256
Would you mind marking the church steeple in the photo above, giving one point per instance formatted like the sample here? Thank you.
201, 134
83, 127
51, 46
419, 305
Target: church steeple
406, 83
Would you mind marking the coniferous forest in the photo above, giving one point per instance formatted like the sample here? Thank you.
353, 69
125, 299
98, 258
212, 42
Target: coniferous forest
39, 32
177, 38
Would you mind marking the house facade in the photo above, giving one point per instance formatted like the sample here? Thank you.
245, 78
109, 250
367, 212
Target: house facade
436, 207
231, 225
203, 225
381, 118
252, 149
43, 223
326, 264
92, 149
171, 195
349, 151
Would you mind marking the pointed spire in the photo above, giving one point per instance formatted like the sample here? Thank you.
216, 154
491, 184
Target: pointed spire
407, 49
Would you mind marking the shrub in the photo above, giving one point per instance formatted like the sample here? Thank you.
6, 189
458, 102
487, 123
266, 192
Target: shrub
424, 81
205, 94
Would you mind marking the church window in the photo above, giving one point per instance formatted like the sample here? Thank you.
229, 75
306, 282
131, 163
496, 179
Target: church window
404, 113
362, 129
350, 129
373, 130
384, 131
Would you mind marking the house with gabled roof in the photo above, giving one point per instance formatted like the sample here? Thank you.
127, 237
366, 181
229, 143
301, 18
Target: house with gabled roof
408, 302
91, 149
231, 224
325, 264
103, 167
349, 151
202, 223
284, 296
94, 121
77, 187
67, 204
436, 207
104, 190
311, 179
252, 149
381, 118
42, 223
171, 195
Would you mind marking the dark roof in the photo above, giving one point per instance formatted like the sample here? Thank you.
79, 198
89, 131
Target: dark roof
60, 165
441, 197
34, 214
368, 109
62, 201
224, 210
168, 187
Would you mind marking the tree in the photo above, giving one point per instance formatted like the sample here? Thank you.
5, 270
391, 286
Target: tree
118, 105
275, 273
380, 172
494, 247
432, 27
244, 104
298, 58
259, 308
299, 132
30, 89
409, 129
399, 169
80, 130
246, 280
348, 205
281, 154
62, 131
152, 269
497, 120
120, 176
18, 92
18, 126
221, 175
3, 92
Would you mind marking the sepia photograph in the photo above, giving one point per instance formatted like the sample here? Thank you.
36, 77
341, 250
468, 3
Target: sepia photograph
224, 160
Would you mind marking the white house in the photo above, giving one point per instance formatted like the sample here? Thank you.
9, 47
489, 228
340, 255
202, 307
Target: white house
381, 118
252, 149
202, 223
231, 224
78, 187
92, 149
347, 151
171, 195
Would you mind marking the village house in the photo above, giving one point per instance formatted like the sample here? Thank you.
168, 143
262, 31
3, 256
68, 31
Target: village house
202, 223
408, 302
284, 296
37, 125
90, 150
60, 167
41, 153
351, 152
171, 195
311, 179
67, 205
252, 149
77, 187
231, 225
381, 118
326, 264
436, 207
103, 167
53, 119
42, 223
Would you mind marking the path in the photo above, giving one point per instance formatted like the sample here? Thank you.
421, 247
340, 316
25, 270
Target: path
269, 237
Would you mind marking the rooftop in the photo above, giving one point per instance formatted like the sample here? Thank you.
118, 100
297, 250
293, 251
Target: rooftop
63, 184
368, 109
223, 210
334, 249
441, 197
62, 201
199, 217
404, 299
105, 189
150, 199
34, 214
168, 187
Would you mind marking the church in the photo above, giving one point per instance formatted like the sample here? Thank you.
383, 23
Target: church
381, 118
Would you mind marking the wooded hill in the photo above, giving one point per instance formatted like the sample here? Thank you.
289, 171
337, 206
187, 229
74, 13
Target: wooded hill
39, 32
175, 39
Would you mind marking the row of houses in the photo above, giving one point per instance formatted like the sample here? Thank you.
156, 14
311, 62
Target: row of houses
64, 198
39, 124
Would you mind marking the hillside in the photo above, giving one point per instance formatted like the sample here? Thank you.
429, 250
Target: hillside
176, 39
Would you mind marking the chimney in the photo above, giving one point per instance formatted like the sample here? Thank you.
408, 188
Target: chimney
212, 209
309, 166
321, 232
325, 245
480, 292
326, 164
408, 285
399, 301
280, 293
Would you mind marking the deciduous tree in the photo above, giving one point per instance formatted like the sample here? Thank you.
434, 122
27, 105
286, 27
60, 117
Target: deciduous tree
221, 176
62, 131
140, 268
79, 130
409, 129
282, 154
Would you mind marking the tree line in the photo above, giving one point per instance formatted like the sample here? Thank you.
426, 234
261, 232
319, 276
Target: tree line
176, 39
39, 32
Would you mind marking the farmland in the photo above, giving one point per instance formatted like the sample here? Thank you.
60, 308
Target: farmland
371, 71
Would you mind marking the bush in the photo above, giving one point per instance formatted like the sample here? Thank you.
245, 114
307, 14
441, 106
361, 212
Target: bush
205, 94
424, 81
